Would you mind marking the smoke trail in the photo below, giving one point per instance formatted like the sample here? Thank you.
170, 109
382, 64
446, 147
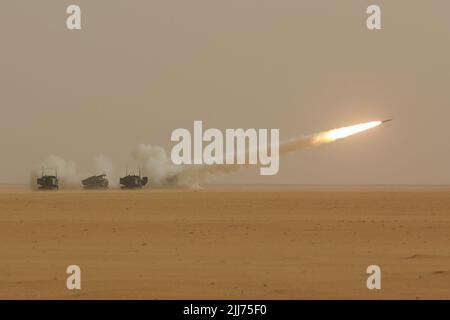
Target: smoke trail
196, 174
317, 139
158, 167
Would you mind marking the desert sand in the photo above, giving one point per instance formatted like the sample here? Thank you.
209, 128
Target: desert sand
246, 242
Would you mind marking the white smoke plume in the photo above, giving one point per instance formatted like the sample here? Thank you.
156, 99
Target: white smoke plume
104, 165
55, 165
66, 170
156, 165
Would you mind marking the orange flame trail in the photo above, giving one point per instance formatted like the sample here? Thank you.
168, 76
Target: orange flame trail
345, 132
316, 139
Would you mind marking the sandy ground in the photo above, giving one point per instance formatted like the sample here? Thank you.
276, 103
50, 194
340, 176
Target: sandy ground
226, 242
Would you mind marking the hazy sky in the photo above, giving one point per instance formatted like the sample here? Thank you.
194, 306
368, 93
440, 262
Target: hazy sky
139, 69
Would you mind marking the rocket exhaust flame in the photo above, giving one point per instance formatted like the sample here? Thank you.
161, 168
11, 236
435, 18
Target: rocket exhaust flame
345, 132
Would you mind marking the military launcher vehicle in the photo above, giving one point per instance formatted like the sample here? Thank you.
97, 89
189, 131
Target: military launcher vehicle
48, 182
133, 181
95, 182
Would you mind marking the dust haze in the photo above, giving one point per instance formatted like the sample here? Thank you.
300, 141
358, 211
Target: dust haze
136, 72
